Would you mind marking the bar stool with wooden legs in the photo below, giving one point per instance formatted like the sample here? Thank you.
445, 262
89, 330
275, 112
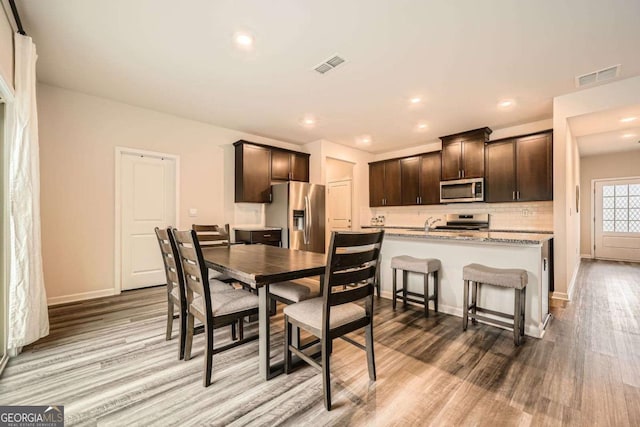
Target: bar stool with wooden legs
424, 266
513, 278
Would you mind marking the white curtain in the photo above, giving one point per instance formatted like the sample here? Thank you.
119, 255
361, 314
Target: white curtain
28, 316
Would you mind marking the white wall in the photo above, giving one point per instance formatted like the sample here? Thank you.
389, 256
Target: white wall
614, 165
566, 170
322, 150
78, 135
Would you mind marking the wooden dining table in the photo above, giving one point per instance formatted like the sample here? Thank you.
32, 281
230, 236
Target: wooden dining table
262, 265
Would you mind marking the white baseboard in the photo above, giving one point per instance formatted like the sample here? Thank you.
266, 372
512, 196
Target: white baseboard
63, 299
562, 296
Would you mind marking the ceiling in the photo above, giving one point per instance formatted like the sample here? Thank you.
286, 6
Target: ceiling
606, 131
461, 57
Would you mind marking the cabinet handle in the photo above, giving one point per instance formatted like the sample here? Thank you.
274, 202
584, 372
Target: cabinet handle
513, 197
518, 195
266, 235
463, 173
271, 197
459, 173
417, 200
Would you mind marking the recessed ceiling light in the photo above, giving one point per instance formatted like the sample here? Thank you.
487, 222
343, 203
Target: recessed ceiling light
421, 126
364, 140
243, 40
628, 119
415, 100
506, 103
629, 135
308, 121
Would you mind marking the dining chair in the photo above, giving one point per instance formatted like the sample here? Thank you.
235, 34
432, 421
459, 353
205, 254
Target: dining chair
350, 277
213, 309
215, 236
176, 297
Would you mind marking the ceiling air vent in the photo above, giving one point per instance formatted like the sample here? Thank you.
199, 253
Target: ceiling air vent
329, 64
598, 76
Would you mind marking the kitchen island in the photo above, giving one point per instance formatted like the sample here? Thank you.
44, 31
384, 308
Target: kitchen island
455, 249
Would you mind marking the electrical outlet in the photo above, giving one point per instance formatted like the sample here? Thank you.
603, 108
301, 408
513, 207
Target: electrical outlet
193, 212
525, 212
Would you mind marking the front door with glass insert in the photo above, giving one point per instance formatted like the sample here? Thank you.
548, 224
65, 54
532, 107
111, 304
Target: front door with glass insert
617, 219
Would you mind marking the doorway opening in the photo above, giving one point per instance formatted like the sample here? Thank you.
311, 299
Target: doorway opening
146, 197
616, 219
339, 179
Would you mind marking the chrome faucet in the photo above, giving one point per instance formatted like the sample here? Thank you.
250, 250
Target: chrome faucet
429, 222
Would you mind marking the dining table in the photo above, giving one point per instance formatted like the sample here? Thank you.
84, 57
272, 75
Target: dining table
259, 266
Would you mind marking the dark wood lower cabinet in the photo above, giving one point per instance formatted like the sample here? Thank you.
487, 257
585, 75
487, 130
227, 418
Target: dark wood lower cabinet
265, 237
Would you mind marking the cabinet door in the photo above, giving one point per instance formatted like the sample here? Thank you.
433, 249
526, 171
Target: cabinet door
376, 184
280, 167
473, 158
451, 163
299, 167
534, 167
430, 179
500, 174
410, 180
253, 183
392, 183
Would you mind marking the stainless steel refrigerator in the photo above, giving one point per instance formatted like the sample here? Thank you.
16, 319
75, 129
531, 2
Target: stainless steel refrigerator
298, 208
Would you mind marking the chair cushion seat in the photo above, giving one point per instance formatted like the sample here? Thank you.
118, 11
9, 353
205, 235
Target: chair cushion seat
296, 290
505, 277
214, 286
309, 313
223, 303
417, 265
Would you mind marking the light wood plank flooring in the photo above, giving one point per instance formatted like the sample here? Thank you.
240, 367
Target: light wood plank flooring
107, 361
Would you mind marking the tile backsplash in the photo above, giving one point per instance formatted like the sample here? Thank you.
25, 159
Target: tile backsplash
529, 216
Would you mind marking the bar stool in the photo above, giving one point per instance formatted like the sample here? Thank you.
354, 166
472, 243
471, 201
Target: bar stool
506, 278
423, 266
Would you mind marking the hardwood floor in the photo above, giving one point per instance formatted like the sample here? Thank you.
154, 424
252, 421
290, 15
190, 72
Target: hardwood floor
107, 361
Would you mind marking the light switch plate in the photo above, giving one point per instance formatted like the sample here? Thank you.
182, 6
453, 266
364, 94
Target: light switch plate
193, 212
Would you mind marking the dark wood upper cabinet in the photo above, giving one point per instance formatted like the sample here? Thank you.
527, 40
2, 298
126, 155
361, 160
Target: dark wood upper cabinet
500, 170
289, 166
463, 154
300, 167
520, 169
252, 173
420, 179
256, 165
280, 169
430, 165
534, 167
384, 183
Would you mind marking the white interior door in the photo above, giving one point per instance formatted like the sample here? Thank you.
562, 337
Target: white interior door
148, 200
617, 219
339, 205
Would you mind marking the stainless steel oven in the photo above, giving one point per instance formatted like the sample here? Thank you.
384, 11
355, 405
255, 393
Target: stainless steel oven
462, 190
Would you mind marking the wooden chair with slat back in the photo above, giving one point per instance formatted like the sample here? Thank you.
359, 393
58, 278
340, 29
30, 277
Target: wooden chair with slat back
214, 309
215, 236
176, 294
350, 277
175, 287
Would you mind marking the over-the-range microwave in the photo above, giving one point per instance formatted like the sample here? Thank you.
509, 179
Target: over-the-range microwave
462, 190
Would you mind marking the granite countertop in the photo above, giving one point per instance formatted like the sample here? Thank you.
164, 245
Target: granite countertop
491, 236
